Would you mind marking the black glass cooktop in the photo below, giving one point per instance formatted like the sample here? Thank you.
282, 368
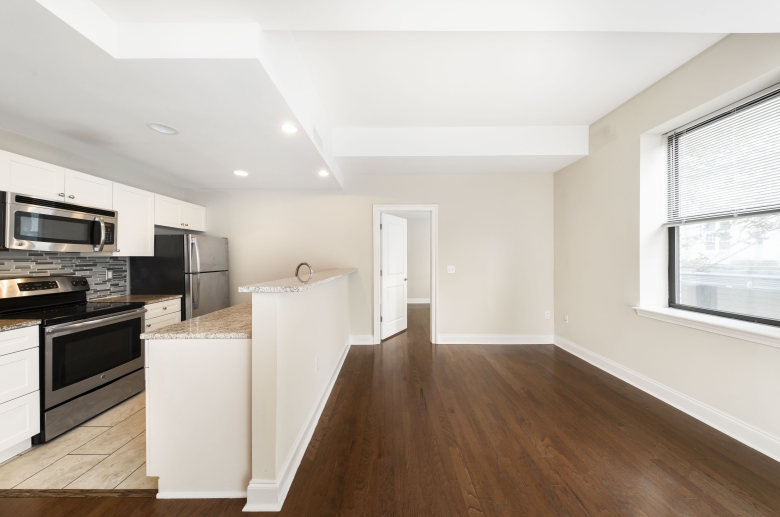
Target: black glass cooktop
72, 312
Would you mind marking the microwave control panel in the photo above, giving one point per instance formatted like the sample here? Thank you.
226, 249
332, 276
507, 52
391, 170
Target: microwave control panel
110, 233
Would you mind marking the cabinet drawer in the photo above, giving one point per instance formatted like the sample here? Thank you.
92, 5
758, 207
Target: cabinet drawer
155, 310
19, 419
162, 321
18, 374
18, 339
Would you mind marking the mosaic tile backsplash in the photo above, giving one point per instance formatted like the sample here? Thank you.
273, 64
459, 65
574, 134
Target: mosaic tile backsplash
93, 267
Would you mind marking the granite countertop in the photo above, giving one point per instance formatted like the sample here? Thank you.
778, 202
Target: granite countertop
143, 298
17, 324
231, 323
293, 285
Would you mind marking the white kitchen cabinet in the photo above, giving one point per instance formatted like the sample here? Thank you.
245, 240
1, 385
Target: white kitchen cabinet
135, 237
86, 190
193, 217
23, 175
175, 213
19, 393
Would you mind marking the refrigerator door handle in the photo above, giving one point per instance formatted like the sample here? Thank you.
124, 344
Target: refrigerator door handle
196, 291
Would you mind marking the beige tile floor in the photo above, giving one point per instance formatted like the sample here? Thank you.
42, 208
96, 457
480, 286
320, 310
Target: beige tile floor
107, 452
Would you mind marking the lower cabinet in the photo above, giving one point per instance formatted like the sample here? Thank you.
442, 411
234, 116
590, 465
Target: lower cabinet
162, 314
20, 402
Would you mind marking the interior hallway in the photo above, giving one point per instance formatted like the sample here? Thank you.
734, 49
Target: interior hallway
416, 429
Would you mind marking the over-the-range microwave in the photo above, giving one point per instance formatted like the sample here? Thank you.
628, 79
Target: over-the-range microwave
35, 224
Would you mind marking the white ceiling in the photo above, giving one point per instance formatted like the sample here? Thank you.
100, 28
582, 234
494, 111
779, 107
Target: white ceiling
461, 15
87, 75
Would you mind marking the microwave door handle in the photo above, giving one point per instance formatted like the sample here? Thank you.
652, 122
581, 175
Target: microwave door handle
99, 247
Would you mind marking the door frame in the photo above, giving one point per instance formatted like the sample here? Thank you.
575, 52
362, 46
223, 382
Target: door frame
434, 211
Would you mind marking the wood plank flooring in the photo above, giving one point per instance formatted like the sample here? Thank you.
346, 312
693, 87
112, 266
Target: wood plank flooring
108, 452
414, 429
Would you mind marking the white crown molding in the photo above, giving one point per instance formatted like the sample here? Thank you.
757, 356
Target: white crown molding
745, 330
495, 339
727, 424
265, 496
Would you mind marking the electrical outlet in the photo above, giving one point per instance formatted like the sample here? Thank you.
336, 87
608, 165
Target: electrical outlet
547, 315
450, 269
566, 318
316, 364
109, 274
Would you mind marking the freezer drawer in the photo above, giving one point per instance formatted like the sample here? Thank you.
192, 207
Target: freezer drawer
207, 292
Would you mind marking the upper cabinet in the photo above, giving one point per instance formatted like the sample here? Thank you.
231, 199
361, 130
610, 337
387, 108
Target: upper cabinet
135, 237
84, 189
179, 214
33, 177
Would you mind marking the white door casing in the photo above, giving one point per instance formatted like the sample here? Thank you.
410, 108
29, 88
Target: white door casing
393, 275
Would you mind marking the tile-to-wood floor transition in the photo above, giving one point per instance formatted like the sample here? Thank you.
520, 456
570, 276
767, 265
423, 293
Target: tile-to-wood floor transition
107, 452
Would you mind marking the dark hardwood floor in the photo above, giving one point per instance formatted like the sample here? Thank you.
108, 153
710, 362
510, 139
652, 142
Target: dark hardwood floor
416, 429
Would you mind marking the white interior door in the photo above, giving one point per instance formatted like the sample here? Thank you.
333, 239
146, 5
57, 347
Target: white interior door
393, 275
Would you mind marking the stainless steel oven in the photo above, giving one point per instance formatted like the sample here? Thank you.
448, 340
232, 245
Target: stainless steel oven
86, 354
31, 223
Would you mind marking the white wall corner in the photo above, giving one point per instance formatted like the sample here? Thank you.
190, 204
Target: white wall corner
361, 339
727, 424
495, 339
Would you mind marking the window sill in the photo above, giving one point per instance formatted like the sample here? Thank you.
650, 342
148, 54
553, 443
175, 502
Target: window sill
748, 331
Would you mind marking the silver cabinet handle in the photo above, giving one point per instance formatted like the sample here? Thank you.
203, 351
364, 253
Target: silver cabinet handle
165, 308
72, 196
62, 194
148, 324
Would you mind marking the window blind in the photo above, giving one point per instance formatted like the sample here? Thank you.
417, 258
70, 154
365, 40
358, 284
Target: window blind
726, 164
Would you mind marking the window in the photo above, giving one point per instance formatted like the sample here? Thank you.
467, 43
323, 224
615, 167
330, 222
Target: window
724, 211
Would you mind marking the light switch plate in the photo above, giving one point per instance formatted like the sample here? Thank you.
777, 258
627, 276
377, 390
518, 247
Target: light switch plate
450, 269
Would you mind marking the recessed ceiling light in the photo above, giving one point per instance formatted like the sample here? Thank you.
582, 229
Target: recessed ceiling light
162, 128
289, 128
323, 172
240, 173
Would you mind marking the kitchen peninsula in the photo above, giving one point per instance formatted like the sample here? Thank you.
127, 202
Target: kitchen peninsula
233, 397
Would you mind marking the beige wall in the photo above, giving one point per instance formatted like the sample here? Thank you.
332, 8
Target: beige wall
597, 245
496, 229
418, 256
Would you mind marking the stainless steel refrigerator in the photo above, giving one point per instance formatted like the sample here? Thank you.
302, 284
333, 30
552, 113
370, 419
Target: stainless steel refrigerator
194, 266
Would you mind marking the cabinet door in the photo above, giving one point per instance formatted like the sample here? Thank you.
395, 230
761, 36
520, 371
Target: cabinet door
86, 190
193, 217
20, 419
167, 211
135, 236
24, 175
18, 374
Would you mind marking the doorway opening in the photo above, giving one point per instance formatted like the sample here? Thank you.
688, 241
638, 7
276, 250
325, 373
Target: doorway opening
392, 269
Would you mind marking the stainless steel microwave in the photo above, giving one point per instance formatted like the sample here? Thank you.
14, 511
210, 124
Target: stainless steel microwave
36, 224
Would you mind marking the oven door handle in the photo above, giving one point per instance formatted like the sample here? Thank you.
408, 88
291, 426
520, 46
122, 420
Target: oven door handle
99, 247
96, 321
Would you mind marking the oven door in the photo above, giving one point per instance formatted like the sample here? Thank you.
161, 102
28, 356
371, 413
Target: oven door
33, 227
87, 354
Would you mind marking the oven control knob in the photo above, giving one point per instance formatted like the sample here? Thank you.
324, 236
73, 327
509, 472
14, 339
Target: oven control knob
83, 282
75, 282
103, 376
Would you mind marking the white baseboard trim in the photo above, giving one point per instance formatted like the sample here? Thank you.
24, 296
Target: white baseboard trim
229, 494
737, 429
265, 496
15, 449
418, 300
495, 339
365, 339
